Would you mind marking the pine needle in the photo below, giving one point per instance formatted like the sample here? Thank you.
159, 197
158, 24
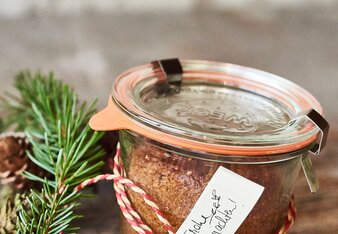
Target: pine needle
62, 144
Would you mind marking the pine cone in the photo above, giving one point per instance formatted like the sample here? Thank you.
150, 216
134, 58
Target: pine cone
13, 161
7, 211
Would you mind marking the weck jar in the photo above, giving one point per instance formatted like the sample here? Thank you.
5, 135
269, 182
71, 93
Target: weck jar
179, 121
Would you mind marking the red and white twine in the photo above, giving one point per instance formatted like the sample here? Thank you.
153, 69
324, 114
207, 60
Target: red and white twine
129, 213
290, 218
132, 217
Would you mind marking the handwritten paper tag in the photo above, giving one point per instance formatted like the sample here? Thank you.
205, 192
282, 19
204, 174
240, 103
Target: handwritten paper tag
223, 206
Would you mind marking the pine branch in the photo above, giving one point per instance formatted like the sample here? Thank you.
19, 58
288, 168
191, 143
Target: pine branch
43, 90
62, 144
50, 211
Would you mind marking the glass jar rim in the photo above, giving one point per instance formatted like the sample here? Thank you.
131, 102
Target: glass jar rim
127, 100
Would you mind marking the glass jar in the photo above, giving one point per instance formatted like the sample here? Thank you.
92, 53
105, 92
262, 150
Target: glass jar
175, 135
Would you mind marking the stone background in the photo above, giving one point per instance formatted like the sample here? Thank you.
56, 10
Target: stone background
88, 43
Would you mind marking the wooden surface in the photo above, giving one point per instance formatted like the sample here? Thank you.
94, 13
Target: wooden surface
318, 213
89, 50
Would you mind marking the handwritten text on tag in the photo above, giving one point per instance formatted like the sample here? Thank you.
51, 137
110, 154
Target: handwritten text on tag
223, 206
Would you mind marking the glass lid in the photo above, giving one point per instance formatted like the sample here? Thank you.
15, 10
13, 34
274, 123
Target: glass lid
218, 104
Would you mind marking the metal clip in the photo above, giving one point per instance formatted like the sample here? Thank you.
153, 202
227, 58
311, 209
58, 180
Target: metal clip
173, 71
306, 163
309, 173
321, 124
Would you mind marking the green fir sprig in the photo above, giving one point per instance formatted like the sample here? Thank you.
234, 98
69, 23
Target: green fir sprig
41, 90
56, 124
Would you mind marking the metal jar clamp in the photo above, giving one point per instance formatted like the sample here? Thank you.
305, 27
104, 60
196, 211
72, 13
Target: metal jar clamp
323, 126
